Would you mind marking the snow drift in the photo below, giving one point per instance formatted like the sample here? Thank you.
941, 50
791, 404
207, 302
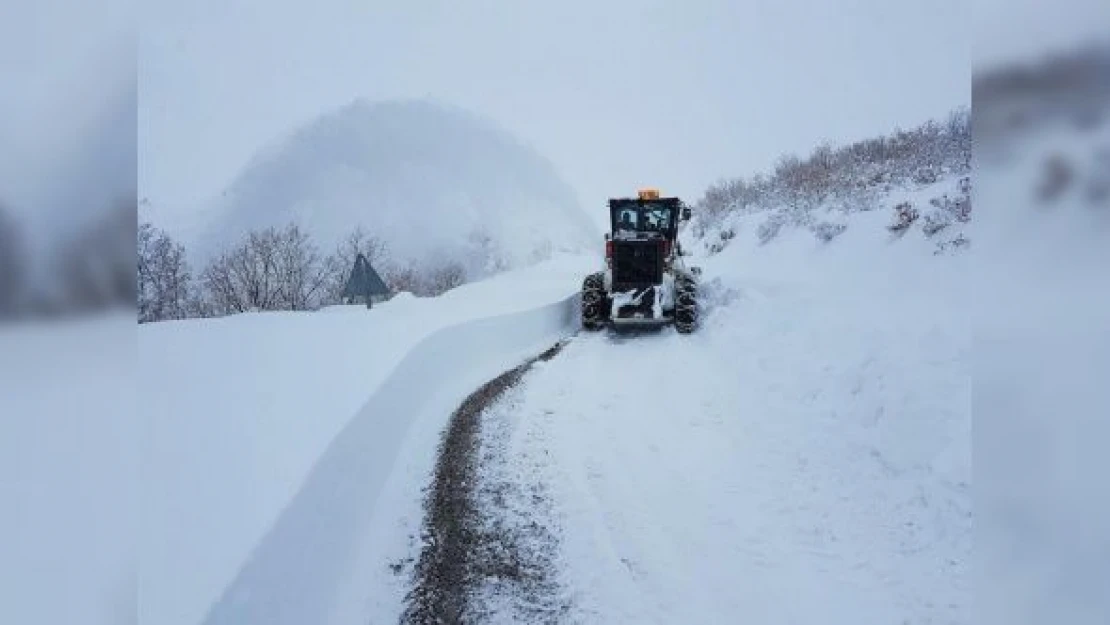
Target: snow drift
436, 183
251, 412
332, 541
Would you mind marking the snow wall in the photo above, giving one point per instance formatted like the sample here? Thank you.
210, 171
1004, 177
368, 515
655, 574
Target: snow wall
302, 564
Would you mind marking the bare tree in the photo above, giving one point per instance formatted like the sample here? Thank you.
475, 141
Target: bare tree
246, 277
223, 295
403, 278
164, 277
302, 273
270, 270
446, 277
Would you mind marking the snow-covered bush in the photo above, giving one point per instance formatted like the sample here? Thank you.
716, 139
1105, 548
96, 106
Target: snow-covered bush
847, 179
770, 227
904, 216
165, 279
826, 231
946, 211
958, 242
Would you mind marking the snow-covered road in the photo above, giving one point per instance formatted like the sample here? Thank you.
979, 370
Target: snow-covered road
804, 458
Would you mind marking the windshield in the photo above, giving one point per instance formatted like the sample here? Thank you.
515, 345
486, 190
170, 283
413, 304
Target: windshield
634, 219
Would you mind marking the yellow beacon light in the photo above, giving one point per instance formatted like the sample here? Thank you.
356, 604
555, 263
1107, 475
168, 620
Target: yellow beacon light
649, 194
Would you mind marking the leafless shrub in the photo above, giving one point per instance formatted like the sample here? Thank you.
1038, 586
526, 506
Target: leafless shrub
849, 177
770, 228
446, 277
904, 216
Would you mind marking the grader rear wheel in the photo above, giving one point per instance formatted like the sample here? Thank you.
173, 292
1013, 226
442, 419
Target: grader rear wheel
595, 311
686, 305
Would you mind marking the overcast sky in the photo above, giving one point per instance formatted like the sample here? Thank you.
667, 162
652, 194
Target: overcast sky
617, 94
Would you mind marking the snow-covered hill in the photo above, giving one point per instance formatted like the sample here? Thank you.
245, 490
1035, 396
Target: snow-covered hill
917, 179
437, 184
815, 435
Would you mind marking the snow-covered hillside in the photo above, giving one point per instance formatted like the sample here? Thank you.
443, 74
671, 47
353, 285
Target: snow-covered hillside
919, 180
805, 453
804, 457
435, 183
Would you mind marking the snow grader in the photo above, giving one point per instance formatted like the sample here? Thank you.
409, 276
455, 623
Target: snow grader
646, 281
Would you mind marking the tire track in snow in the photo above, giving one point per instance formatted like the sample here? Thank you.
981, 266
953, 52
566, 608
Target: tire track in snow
735, 471
463, 547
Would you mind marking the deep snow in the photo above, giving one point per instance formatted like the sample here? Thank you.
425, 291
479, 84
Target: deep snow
241, 409
804, 458
806, 453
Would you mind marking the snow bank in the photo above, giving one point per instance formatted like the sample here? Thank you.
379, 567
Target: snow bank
322, 556
241, 408
865, 257
846, 238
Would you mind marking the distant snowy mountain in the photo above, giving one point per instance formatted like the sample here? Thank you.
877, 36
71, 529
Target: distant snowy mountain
436, 183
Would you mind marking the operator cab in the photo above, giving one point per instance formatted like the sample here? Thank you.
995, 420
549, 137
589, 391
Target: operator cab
647, 216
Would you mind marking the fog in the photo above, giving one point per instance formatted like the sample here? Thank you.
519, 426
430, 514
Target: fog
619, 95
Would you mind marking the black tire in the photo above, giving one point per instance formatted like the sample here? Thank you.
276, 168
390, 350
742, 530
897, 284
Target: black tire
595, 302
686, 305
